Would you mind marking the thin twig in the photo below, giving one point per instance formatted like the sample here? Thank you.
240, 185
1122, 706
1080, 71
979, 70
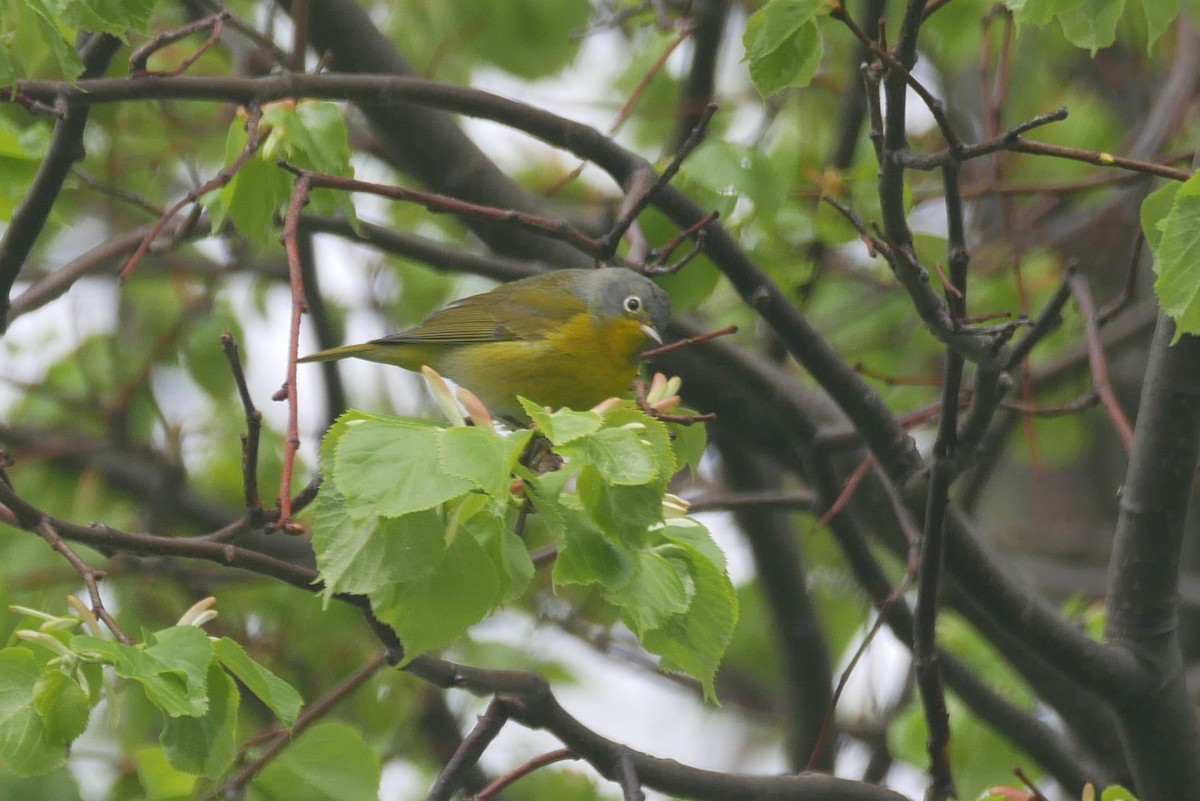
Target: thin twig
291, 225
659, 266
1034, 793
315, 711
851, 485
912, 535
1098, 361
683, 343
470, 750
1009, 140
132, 198
222, 178
637, 199
795, 500
538, 762
439, 204
630, 103
1098, 157
139, 57
1122, 300
250, 439
91, 577
1080, 404
932, 103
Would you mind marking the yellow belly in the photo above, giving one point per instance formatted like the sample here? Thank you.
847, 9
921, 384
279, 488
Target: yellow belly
577, 366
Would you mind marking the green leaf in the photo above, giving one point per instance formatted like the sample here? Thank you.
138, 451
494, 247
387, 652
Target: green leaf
692, 533
26, 748
563, 425
1039, 12
202, 354
1093, 24
118, 17
62, 705
364, 555
388, 467
188, 650
1154, 210
1115, 792
311, 135
323, 136
483, 457
160, 781
619, 455
1159, 15
253, 197
695, 641
1178, 260
172, 672
660, 589
783, 44
620, 511
37, 25
586, 556
508, 552
328, 762
981, 757
434, 609
528, 38
206, 745
279, 696
688, 443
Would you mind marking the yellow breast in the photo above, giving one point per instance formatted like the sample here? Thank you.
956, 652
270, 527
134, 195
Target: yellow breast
580, 363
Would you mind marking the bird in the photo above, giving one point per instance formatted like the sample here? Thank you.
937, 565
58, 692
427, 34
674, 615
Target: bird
567, 338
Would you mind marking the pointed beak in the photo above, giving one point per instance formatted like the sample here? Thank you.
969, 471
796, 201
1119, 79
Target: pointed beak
651, 332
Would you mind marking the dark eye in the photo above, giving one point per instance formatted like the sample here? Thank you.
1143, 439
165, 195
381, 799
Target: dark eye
633, 303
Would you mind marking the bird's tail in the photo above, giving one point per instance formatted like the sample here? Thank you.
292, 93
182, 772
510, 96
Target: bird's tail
343, 352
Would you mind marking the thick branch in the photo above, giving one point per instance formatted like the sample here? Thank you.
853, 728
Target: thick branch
1158, 714
66, 147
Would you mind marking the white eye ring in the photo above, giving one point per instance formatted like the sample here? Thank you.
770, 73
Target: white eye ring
633, 303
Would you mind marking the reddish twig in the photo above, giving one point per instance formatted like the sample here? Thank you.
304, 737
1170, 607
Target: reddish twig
897, 381
659, 265
683, 343
280, 740
627, 109
912, 536
639, 388
222, 178
1098, 361
843, 499
538, 762
139, 57
1034, 793
291, 226
1082, 403
444, 204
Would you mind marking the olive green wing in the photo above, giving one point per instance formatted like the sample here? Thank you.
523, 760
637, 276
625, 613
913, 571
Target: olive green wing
522, 310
